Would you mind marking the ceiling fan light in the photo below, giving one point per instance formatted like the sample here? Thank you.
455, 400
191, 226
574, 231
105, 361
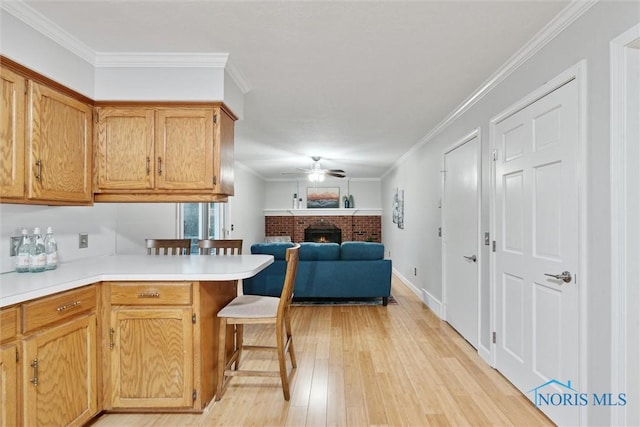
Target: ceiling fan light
316, 176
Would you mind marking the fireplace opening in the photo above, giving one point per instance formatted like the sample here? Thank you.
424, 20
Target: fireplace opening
323, 232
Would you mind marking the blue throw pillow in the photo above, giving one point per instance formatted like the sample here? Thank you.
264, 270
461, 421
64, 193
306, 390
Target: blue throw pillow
361, 251
310, 251
278, 250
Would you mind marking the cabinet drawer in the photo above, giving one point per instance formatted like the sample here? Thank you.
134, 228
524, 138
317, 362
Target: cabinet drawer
151, 293
8, 323
58, 307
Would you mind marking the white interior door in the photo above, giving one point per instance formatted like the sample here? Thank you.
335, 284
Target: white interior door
625, 217
537, 234
460, 218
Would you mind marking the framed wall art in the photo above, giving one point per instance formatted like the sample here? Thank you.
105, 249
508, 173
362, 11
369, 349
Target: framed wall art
323, 197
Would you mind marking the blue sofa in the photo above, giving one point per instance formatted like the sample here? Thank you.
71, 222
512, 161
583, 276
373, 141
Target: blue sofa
326, 270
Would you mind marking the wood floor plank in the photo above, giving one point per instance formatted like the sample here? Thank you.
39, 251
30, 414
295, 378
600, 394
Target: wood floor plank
398, 365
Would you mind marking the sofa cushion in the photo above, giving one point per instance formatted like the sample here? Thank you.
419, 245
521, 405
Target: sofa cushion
278, 250
361, 251
310, 251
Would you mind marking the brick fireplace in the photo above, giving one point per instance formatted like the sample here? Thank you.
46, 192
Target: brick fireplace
353, 227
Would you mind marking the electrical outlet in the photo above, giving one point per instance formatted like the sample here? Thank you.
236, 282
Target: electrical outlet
83, 240
14, 243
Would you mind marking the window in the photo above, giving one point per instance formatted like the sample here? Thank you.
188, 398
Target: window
202, 221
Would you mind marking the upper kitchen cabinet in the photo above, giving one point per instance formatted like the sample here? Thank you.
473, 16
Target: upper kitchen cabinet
45, 137
172, 153
12, 130
59, 155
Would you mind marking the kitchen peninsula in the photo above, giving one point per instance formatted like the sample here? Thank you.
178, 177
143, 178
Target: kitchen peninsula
114, 333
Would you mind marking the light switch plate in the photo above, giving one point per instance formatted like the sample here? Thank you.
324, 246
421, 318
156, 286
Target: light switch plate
14, 243
83, 240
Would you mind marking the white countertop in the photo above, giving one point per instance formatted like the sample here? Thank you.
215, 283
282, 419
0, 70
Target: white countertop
20, 287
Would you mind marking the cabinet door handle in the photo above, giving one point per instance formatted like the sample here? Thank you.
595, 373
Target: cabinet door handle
39, 170
34, 380
67, 306
112, 344
149, 295
148, 165
159, 166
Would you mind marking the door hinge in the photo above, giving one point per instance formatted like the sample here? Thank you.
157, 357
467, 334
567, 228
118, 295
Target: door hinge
193, 318
494, 155
215, 119
493, 338
215, 180
194, 395
95, 116
17, 356
493, 246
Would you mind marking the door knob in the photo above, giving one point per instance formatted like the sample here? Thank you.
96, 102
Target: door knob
470, 258
565, 276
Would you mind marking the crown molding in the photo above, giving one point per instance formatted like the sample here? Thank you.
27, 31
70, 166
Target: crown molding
58, 35
237, 77
43, 25
559, 23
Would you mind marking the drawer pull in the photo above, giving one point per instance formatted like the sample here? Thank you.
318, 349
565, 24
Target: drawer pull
149, 295
67, 306
34, 380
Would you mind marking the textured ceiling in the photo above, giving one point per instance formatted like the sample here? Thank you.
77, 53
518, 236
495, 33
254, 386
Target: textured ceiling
358, 83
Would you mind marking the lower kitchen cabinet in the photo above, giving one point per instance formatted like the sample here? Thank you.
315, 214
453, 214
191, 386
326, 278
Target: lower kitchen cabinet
9, 385
151, 358
162, 344
59, 374
9, 366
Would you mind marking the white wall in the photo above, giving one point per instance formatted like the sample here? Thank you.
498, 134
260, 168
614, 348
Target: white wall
21, 43
366, 192
67, 221
135, 222
245, 208
159, 83
419, 175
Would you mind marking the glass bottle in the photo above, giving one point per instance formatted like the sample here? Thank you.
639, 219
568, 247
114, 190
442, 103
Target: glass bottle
37, 254
22, 257
51, 249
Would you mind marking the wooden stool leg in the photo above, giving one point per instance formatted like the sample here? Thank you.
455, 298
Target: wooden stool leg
222, 347
292, 353
239, 328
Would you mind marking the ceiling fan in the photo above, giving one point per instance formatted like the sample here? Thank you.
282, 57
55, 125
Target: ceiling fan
316, 173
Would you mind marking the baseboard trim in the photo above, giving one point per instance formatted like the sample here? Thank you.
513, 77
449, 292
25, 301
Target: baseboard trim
429, 300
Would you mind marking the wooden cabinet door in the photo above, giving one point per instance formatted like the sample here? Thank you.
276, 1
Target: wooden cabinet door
184, 148
59, 370
8, 385
152, 358
125, 158
60, 154
12, 130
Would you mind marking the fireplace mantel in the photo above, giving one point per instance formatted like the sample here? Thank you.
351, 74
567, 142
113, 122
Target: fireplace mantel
323, 212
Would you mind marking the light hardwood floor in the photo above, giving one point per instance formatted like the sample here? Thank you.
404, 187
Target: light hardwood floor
363, 366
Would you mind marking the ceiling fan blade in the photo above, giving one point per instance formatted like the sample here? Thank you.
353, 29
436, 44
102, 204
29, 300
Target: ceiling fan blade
337, 174
335, 170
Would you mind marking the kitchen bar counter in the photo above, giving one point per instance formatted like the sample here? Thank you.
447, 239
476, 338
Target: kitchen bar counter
16, 288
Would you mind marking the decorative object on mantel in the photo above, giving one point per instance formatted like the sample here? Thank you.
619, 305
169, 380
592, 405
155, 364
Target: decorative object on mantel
398, 208
323, 197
